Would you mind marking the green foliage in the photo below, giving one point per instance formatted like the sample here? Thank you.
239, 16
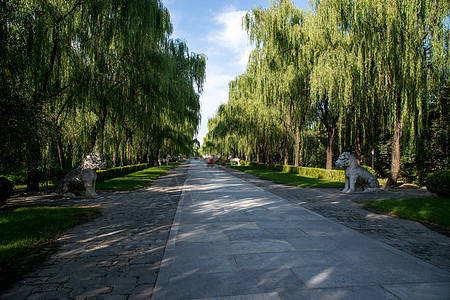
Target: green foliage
357, 76
6, 188
430, 210
438, 182
83, 76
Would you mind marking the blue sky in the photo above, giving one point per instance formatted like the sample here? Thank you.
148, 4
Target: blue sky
213, 28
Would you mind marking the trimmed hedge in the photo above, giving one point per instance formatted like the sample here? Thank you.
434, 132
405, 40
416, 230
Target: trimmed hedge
337, 175
438, 183
120, 171
245, 163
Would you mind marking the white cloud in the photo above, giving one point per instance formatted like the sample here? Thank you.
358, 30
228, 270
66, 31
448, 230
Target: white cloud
227, 49
230, 36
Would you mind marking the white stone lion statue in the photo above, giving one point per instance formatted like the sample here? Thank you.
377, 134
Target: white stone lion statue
235, 160
84, 175
354, 173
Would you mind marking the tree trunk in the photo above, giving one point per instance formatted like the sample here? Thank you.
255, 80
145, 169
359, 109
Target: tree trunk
297, 148
286, 152
257, 154
102, 120
60, 148
33, 160
146, 155
130, 149
113, 164
331, 132
122, 155
92, 140
358, 147
32, 178
396, 145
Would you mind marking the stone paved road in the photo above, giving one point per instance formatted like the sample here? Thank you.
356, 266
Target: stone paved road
233, 240
408, 236
117, 255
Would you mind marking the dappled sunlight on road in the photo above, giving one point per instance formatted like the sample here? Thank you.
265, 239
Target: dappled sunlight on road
319, 278
232, 239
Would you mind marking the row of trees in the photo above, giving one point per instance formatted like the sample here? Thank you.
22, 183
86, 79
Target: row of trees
100, 75
367, 76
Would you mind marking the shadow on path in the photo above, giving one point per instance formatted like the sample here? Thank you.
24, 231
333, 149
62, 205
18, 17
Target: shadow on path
428, 243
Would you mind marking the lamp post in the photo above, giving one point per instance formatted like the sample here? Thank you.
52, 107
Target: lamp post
373, 156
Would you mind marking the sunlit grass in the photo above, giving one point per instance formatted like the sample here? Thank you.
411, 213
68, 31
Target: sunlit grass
432, 210
43, 186
24, 228
134, 180
290, 178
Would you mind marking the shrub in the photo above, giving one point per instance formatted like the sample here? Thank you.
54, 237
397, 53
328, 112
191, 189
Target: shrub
287, 168
6, 188
371, 171
245, 163
17, 176
337, 175
438, 183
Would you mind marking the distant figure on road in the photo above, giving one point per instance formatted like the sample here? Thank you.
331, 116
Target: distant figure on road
211, 162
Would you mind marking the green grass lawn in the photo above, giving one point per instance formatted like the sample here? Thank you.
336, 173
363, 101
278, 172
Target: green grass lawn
24, 228
42, 186
290, 178
431, 210
134, 180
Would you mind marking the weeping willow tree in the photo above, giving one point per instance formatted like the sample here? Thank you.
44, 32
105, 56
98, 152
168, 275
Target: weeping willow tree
408, 44
330, 77
82, 76
373, 74
281, 39
245, 127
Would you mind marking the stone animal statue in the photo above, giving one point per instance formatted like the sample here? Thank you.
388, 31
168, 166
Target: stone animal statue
235, 160
84, 175
354, 173
162, 161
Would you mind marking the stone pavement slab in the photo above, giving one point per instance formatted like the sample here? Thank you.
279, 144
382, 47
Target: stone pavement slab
233, 240
426, 242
